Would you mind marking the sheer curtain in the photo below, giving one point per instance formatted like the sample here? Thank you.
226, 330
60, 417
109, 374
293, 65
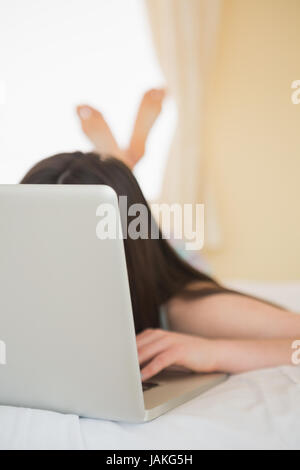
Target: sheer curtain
185, 36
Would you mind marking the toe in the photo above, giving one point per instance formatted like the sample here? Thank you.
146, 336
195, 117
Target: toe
84, 112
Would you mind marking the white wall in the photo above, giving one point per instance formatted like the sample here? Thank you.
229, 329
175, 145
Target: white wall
55, 54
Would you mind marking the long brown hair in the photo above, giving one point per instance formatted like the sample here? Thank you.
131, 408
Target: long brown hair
156, 273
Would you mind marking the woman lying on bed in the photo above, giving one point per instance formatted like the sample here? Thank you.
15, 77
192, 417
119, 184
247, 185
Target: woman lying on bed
211, 328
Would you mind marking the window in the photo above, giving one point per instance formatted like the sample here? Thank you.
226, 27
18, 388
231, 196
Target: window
60, 53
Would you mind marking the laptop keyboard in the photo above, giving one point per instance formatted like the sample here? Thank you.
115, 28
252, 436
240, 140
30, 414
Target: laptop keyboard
148, 385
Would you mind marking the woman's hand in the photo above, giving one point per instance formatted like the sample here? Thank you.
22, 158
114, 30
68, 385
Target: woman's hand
159, 349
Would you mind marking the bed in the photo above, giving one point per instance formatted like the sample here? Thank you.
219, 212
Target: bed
256, 410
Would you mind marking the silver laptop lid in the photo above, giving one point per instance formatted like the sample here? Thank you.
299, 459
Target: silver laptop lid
65, 308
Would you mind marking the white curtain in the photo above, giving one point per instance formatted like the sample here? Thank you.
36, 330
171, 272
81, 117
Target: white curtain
185, 34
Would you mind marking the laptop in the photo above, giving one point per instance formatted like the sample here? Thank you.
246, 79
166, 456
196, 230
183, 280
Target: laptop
66, 322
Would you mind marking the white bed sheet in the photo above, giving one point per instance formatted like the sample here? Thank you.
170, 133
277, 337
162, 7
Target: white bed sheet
256, 410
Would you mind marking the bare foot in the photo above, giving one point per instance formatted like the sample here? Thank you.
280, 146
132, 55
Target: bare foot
148, 112
97, 130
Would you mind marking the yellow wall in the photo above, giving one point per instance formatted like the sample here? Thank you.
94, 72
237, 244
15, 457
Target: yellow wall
253, 140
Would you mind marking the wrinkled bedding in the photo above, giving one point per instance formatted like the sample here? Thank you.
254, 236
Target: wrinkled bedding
256, 410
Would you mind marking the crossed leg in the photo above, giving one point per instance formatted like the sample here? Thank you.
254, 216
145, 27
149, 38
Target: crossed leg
99, 133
